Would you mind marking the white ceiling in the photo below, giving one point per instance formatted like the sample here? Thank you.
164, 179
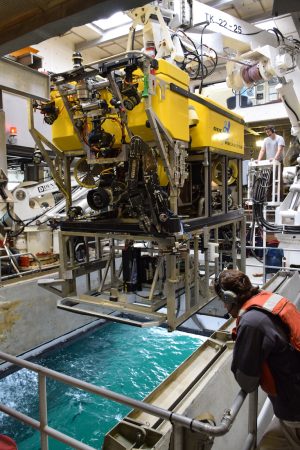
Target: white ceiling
25, 23
95, 43
249, 10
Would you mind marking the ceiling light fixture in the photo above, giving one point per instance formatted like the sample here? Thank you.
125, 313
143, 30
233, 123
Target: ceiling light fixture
117, 19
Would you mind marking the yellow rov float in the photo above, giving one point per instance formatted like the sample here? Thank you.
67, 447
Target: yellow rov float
193, 120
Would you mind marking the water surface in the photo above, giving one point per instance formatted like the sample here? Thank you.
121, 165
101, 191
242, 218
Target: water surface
124, 359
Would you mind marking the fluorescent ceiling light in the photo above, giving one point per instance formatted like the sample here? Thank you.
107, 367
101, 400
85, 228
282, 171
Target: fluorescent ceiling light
117, 19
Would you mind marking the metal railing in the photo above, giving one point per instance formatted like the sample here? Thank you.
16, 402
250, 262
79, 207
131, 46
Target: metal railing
12, 258
13, 261
176, 419
266, 268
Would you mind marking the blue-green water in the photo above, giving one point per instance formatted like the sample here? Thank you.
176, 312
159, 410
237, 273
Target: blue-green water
128, 360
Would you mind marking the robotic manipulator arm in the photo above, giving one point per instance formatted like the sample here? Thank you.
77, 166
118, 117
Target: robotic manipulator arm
267, 62
140, 196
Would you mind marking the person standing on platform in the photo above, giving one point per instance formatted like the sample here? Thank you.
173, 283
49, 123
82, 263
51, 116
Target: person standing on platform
273, 145
273, 150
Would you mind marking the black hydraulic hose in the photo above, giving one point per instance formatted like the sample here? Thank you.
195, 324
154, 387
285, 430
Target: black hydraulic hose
24, 222
14, 219
260, 189
13, 234
290, 108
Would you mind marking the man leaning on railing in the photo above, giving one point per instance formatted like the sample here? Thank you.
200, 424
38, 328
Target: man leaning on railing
266, 353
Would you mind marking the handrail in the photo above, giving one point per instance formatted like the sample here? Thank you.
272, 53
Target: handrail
176, 419
266, 268
11, 256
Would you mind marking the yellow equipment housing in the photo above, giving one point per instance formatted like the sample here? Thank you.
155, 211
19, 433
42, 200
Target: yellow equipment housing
170, 107
64, 135
63, 132
218, 128
186, 116
161, 173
